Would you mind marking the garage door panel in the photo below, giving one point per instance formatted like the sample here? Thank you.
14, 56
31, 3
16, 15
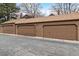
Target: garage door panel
9, 29
26, 30
61, 31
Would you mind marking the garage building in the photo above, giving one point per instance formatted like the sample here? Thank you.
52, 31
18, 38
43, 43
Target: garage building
9, 27
60, 27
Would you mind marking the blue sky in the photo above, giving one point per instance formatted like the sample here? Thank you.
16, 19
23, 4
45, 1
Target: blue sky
44, 5
45, 8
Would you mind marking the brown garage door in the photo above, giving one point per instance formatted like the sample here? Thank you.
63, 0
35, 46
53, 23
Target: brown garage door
0, 29
10, 29
61, 31
28, 30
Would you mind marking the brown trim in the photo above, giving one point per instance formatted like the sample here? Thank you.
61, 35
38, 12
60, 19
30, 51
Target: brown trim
49, 21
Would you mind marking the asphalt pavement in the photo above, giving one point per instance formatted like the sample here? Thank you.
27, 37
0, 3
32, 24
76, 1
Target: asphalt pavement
26, 46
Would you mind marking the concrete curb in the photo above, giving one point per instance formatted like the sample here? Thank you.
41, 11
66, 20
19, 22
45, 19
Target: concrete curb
43, 38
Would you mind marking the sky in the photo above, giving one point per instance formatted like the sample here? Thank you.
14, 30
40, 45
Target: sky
45, 8
45, 5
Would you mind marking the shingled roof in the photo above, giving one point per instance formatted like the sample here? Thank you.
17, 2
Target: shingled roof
10, 22
67, 17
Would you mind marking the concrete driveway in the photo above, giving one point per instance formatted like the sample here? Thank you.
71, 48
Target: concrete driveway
25, 46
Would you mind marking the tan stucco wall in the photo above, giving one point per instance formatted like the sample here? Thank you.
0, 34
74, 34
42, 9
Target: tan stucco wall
60, 30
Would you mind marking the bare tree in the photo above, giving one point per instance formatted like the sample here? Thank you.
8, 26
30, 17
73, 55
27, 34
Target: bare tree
65, 8
32, 9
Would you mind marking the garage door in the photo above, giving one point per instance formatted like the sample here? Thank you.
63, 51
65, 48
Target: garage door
0, 29
61, 31
28, 30
9, 29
